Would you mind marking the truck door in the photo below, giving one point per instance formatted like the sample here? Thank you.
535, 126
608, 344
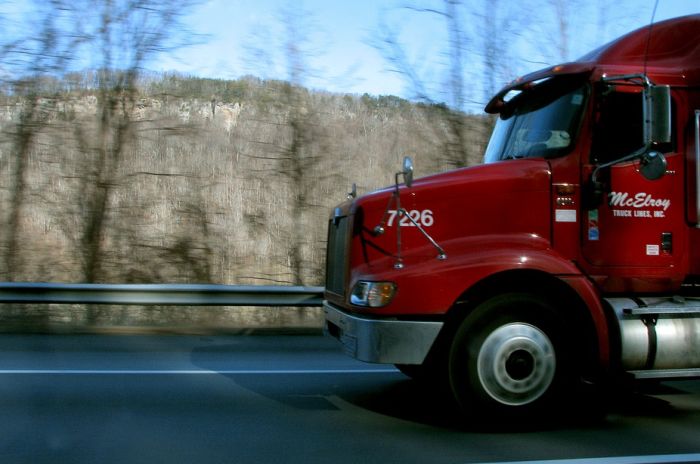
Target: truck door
632, 235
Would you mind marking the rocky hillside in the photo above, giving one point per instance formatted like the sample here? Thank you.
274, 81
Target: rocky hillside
203, 180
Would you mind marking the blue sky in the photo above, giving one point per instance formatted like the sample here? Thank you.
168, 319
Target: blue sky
339, 36
339, 39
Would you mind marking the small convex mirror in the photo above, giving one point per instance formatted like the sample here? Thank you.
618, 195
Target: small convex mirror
407, 171
652, 165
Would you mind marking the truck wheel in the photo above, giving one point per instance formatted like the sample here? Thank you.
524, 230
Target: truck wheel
509, 359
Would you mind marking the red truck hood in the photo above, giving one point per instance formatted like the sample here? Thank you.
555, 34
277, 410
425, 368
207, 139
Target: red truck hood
505, 198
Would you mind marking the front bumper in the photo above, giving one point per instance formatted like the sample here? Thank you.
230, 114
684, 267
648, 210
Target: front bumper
386, 341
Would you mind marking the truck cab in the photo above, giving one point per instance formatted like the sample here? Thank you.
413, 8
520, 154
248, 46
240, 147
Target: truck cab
570, 255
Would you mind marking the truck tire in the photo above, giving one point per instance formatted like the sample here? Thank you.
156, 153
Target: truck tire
510, 360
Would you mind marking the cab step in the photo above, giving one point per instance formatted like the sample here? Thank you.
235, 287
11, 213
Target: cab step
657, 306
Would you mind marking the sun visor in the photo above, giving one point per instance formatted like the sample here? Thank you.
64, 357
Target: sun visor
501, 99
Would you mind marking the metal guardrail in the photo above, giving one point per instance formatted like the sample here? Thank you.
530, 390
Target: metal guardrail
160, 294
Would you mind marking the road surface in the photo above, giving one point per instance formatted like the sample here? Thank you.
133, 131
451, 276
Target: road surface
285, 399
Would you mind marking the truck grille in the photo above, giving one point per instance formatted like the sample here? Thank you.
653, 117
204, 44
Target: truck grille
336, 254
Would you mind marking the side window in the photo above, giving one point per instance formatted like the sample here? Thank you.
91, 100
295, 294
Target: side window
618, 128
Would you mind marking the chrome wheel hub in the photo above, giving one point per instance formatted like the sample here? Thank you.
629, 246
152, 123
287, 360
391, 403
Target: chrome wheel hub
516, 364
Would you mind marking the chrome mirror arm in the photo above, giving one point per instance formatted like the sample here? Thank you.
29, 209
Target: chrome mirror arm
441, 252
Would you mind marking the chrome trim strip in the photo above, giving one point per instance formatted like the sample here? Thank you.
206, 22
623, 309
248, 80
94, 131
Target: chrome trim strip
667, 374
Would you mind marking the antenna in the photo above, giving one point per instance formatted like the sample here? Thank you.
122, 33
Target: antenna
651, 25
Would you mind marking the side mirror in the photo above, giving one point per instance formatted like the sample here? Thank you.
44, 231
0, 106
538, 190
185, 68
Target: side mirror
657, 114
652, 165
407, 171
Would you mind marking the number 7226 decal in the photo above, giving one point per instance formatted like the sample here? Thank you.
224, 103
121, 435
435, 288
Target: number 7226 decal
423, 218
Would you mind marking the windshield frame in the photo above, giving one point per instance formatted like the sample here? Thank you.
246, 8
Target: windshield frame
530, 108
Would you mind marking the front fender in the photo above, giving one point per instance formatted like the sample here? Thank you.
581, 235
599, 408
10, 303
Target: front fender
430, 286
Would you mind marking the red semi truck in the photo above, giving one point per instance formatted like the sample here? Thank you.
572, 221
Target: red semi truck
571, 255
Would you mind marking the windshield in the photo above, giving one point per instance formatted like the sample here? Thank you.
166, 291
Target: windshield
538, 123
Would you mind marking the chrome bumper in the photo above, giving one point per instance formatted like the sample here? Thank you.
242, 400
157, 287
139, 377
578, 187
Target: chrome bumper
386, 341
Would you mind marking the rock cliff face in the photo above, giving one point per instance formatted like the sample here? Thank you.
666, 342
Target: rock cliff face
196, 189
69, 108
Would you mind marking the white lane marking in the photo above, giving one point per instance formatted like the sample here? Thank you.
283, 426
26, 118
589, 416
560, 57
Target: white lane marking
660, 459
190, 371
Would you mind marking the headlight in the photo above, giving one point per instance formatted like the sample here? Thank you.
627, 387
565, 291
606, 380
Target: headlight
372, 294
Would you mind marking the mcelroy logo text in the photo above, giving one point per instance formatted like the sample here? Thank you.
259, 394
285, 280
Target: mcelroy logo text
639, 200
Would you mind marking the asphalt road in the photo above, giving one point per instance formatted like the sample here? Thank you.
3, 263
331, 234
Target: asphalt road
285, 399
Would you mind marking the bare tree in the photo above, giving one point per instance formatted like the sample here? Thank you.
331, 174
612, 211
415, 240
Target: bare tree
115, 38
569, 17
449, 120
456, 145
562, 11
125, 34
298, 157
296, 161
498, 28
32, 57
